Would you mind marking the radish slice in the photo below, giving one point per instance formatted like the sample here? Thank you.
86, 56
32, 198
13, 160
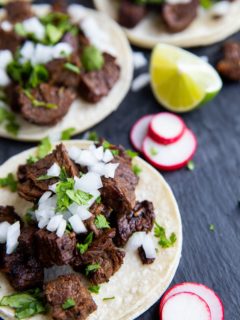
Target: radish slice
172, 156
166, 128
212, 299
139, 131
185, 306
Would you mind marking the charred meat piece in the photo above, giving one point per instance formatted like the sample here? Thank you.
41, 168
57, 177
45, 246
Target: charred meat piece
104, 253
18, 11
8, 214
60, 75
57, 102
143, 257
59, 6
119, 193
95, 85
130, 14
9, 40
29, 187
66, 287
229, 66
53, 250
141, 218
178, 17
27, 243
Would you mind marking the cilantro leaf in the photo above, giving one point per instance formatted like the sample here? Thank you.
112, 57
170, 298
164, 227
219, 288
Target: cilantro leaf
160, 233
82, 247
115, 152
44, 177
66, 134
136, 170
191, 165
53, 33
93, 136
92, 58
44, 148
9, 181
110, 298
101, 222
63, 201
98, 200
38, 103
9, 119
92, 268
72, 67
94, 289
106, 145
131, 154
69, 303
78, 196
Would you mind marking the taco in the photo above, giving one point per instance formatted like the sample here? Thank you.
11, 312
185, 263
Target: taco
109, 253
185, 23
60, 67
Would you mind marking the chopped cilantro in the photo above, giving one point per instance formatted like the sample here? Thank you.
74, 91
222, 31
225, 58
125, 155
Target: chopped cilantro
93, 136
82, 247
136, 170
72, 67
19, 29
212, 227
63, 174
94, 289
9, 181
38, 103
110, 298
79, 197
115, 152
92, 268
69, 303
44, 177
206, 4
98, 200
153, 151
160, 233
191, 165
53, 33
92, 58
101, 222
66, 134
131, 154
29, 217
32, 159
106, 145
44, 148
9, 119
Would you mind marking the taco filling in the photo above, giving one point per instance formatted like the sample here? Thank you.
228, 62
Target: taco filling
84, 213
48, 61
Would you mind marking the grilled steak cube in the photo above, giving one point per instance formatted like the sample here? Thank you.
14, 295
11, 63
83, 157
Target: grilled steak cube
8, 214
95, 85
178, 17
59, 75
229, 66
18, 11
9, 40
29, 187
53, 250
143, 257
57, 102
59, 6
130, 14
104, 253
27, 243
141, 218
66, 287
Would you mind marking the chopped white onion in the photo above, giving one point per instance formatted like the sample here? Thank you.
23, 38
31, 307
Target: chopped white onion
139, 60
136, 240
204, 58
45, 196
148, 247
43, 223
6, 26
108, 156
140, 82
33, 25
62, 49
54, 223
110, 169
95, 194
98, 153
88, 182
27, 51
4, 78
86, 158
83, 213
54, 170
12, 237
3, 231
77, 224
49, 203
61, 228
42, 54
74, 153
94, 32
76, 12
98, 168
52, 187
5, 58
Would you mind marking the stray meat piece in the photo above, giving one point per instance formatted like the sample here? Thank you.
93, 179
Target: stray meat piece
53, 250
47, 104
27, 243
18, 11
29, 187
63, 289
143, 257
178, 17
130, 14
9, 40
8, 214
229, 66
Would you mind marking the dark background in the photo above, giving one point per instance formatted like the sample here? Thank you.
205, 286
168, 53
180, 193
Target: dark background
208, 195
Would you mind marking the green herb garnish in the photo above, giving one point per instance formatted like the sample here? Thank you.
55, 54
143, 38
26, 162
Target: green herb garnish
72, 67
92, 59
19, 29
94, 289
136, 170
212, 227
131, 154
78, 196
44, 148
153, 151
82, 247
38, 103
191, 165
93, 136
101, 222
160, 233
44, 177
69, 303
53, 34
92, 268
67, 134
9, 119
115, 152
110, 298
98, 200
206, 4
9, 182
106, 145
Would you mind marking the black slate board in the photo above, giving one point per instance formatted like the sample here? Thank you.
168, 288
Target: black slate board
208, 195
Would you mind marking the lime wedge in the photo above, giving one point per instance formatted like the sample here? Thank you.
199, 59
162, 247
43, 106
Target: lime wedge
180, 80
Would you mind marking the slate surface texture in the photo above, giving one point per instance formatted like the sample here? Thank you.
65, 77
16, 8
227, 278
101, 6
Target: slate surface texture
208, 195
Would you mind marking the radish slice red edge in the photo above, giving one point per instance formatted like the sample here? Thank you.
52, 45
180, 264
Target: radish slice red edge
139, 131
166, 128
214, 302
185, 306
172, 156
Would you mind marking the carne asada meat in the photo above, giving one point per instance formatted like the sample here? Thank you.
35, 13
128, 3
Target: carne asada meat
59, 6
27, 241
53, 250
119, 193
59, 75
143, 257
141, 218
18, 11
29, 187
57, 102
178, 17
229, 66
103, 252
95, 85
66, 287
9, 215
9, 40
130, 14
